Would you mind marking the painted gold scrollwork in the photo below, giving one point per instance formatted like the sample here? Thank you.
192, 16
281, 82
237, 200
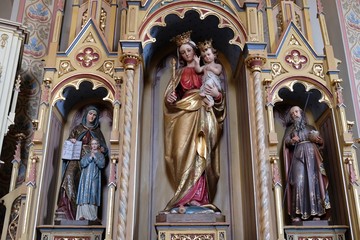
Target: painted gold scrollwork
3, 40
14, 219
65, 67
279, 22
84, 18
222, 235
293, 41
318, 70
107, 67
276, 70
191, 236
89, 39
103, 15
298, 21
162, 235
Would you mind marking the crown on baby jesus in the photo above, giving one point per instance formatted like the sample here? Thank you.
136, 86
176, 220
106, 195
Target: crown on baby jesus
182, 38
205, 45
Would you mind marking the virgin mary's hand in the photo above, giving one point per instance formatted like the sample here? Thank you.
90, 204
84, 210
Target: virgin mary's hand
171, 97
212, 91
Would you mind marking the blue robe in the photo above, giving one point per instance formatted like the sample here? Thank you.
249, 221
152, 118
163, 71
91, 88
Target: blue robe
89, 191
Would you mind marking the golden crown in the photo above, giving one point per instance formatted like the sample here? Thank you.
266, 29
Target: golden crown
205, 45
182, 38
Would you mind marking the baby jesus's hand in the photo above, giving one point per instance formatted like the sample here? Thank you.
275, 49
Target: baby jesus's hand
197, 59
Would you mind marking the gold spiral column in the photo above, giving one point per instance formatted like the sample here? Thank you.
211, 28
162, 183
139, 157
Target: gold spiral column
254, 63
130, 62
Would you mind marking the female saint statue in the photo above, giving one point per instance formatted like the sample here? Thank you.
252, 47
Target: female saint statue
192, 133
88, 129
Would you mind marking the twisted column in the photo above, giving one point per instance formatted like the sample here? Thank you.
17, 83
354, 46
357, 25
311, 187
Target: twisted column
130, 61
255, 63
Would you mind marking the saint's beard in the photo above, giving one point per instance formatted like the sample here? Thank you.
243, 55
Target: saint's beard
299, 124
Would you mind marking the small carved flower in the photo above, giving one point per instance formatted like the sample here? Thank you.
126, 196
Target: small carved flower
87, 57
296, 59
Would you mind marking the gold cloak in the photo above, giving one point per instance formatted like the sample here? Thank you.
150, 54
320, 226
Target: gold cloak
192, 135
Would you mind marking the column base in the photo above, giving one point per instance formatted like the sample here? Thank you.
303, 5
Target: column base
191, 226
335, 232
58, 232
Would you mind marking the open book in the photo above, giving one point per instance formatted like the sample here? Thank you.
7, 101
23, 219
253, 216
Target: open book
71, 151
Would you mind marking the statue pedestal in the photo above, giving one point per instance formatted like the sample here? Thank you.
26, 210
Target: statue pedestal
83, 232
191, 226
335, 232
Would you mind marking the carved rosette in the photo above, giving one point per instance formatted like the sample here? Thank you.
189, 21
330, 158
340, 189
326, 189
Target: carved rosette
296, 59
87, 57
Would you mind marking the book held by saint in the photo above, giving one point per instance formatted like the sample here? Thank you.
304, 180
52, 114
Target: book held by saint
72, 151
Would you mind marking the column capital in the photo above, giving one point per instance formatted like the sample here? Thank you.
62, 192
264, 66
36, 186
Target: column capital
255, 62
130, 60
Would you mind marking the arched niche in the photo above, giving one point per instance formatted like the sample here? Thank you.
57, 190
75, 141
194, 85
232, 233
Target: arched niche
69, 101
235, 185
316, 101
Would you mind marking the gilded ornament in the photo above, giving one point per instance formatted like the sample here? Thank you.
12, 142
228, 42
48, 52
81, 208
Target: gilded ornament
205, 45
87, 57
279, 22
107, 67
192, 236
162, 235
182, 38
65, 67
14, 219
296, 60
293, 41
298, 21
276, 69
103, 20
84, 18
3, 40
89, 39
318, 70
